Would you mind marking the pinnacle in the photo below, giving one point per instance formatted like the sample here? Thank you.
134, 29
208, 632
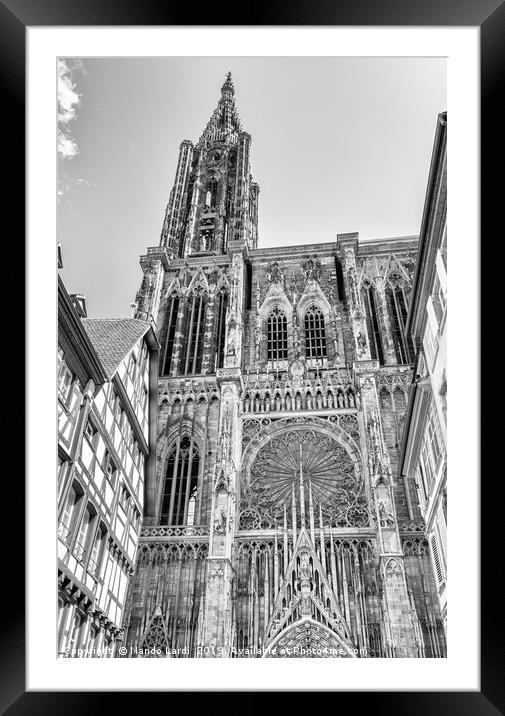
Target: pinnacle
228, 85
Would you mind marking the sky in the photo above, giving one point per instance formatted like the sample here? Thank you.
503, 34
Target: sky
339, 145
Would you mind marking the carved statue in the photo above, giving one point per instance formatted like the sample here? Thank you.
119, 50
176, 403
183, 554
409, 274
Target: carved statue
353, 289
312, 269
361, 341
232, 342
220, 521
275, 273
385, 517
305, 571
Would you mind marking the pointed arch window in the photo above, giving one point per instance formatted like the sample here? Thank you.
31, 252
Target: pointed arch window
222, 305
369, 297
194, 328
211, 193
181, 484
171, 314
277, 335
315, 333
397, 309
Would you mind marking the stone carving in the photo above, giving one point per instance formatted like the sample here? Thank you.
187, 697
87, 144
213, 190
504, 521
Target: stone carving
216, 571
361, 341
312, 269
393, 569
220, 521
385, 517
275, 273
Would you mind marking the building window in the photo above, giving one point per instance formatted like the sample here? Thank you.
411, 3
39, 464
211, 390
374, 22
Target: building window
62, 469
96, 553
132, 366
195, 327
400, 400
423, 484
81, 545
385, 399
437, 561
143, 399
397, 309
433, 437
70, 512
172, 311
65, 378
439, 300
91, 434
431, 450
124, 498
75, 634
92, 642
222, 305
372, 323
211, 194
429, 342
116, 406
136, 520
315, 336
277, 335
109, 467
181, 483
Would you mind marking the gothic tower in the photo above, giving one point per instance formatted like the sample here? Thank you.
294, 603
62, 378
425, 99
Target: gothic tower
276, 524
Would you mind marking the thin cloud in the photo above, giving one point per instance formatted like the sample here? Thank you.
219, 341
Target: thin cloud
68, 102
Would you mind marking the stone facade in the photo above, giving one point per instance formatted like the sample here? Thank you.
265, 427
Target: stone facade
276, 522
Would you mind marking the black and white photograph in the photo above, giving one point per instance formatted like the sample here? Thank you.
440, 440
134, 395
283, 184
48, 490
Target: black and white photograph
252, 357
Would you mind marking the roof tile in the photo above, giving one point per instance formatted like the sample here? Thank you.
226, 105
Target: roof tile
114, 338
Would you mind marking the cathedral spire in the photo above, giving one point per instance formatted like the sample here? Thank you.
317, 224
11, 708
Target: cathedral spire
224, 123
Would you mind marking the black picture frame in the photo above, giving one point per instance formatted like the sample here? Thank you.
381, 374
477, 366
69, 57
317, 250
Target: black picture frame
489, 15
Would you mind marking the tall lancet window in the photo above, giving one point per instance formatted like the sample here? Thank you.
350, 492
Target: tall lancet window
315, 335
222, 305
194, 330
171, 318
211, 194
181, 484
372, 322
397, 308
277, 336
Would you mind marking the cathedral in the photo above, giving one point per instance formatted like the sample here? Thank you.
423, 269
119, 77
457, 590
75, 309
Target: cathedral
276, 522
